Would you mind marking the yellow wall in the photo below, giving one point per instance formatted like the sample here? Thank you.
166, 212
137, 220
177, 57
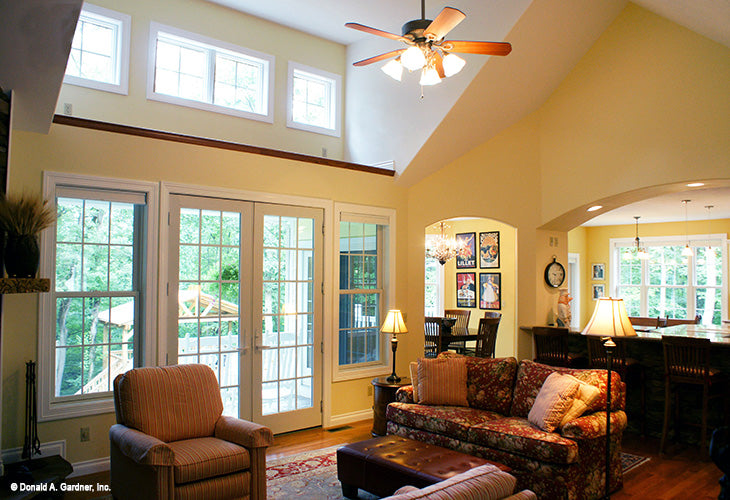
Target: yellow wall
593, 245
219, 23
83, 151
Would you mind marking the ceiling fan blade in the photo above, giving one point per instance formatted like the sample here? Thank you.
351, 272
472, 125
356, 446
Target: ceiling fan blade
439, 65
373, 31
485, 48
374, 59
444, 22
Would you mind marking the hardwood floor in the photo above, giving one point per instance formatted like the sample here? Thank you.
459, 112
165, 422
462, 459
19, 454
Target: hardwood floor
681, 476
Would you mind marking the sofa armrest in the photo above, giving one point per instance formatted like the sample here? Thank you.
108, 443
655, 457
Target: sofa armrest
243, 432
140, 447
594, 425
404, 394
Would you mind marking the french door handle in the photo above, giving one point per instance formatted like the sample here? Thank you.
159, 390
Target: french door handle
260, 347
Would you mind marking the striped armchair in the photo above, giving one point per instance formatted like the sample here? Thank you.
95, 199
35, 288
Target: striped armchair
172, 442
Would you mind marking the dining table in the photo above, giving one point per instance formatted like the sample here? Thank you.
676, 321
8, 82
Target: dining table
449, 336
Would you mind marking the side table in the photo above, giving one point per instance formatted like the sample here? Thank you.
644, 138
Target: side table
384, 393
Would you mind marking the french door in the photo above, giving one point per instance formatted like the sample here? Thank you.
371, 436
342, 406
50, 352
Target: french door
245, 298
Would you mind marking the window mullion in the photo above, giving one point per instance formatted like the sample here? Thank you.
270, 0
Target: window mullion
210, 75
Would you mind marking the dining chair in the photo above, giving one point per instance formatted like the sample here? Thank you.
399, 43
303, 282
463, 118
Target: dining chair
492, 314
687, 362
631, 371
681, 321
461, 327
551, 347
487, 337
432, 331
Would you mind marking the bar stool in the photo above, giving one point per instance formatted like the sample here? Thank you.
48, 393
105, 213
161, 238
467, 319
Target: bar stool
687, 361
631, 371
551, 347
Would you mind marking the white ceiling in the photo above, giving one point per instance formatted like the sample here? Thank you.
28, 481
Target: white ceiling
669, 208
326, 18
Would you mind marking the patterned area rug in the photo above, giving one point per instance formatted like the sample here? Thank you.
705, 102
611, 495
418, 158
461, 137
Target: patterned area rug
313, 475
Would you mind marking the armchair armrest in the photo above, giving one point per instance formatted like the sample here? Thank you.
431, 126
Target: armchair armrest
244, 433
140, 447
594, 425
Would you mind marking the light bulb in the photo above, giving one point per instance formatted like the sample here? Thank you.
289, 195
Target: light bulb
642, 253
687, 251
453, 64
429, 76
413, 58
393, 69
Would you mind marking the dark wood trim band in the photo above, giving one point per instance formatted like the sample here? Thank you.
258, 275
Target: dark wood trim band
213, 143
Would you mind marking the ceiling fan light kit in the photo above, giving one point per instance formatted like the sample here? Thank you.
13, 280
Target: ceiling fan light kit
427, 50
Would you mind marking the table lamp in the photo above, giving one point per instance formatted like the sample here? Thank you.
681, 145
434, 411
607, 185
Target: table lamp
394, 325
609, 320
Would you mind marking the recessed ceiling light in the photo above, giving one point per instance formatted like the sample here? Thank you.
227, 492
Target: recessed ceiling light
595, 207
695, 184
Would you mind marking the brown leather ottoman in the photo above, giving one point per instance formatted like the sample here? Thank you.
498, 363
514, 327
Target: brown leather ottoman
386, 463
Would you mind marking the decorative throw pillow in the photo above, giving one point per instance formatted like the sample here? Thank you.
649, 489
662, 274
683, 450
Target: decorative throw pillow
553, 401
442, 381
584, 398
413, 366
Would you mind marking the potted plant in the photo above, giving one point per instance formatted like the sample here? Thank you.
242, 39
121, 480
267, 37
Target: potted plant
22, 218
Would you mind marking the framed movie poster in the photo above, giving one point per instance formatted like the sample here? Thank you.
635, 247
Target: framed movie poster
490, 290
468, 258
466, 290
489, 250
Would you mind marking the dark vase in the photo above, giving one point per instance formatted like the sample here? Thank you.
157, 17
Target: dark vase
22, 255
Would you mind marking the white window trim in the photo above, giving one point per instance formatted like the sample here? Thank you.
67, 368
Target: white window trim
378, 215
695, 240
335, 100
50, 409
123, 38
268, 84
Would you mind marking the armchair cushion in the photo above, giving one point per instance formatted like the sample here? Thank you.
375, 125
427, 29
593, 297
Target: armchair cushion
202, 458
170, 403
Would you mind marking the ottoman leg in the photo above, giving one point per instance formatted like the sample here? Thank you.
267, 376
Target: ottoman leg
349, 491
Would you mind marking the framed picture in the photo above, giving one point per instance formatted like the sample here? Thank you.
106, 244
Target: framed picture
599, 291
466, 289
489, 250
598, 272
490, 290
468, 259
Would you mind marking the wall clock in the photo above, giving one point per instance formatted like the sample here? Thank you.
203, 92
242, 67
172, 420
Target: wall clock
554, 274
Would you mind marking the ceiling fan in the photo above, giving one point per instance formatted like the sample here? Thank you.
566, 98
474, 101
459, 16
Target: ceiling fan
427, 50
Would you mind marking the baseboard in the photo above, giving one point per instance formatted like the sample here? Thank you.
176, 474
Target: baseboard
47, 449
90, 467
348, 418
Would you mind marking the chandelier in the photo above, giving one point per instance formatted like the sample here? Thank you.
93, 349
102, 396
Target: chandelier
443, 248
640, 251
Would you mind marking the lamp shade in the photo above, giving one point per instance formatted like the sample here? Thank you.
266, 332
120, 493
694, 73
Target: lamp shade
413, 58
393, 69
394, 323
609, 319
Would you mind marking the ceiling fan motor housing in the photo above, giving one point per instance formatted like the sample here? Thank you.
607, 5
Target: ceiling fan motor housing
416, 28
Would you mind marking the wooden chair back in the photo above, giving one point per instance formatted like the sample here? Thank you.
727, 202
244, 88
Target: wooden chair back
644, 321
686, 359
679, 321
432, 331
461, 327
551, 345
597, 354
492, 314
487, 337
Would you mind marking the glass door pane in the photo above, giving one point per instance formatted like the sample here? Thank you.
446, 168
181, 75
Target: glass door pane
287, 358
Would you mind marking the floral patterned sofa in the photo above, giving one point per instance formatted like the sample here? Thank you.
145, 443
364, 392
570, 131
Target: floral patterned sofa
566, 464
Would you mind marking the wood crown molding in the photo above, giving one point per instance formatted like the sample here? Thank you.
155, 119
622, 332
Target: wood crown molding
214, 143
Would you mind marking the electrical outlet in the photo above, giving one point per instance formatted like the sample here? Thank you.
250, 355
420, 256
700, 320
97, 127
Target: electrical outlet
324, 152
68, 108
85, 434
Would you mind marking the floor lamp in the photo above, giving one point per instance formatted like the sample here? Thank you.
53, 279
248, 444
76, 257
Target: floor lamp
609, 320
394, 325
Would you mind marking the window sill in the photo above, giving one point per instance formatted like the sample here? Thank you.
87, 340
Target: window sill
343, 374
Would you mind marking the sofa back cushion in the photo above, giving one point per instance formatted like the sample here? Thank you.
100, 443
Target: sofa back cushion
531, 376
169, 402
489, 383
